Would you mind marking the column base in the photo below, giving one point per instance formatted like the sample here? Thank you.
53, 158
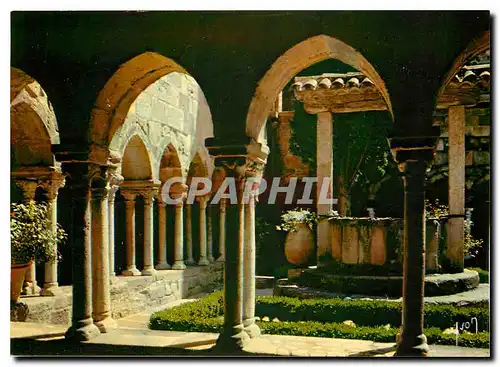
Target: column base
408, 346
189, 261
113, 279
31, 289
220, 259
210, 258
148, 271
231, 340
251, 328
203, 262
179, 265
50, 290
162, 266
131, 272
106, 325
82, 333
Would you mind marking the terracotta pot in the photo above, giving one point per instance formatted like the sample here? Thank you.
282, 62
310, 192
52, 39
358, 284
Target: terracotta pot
299, 245
17, 273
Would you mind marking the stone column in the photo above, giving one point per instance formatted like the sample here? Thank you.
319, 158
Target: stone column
222, 230
115, 182
432, 233
249, 253
210, 241
456, 190
324, 170
233, 336
189, 235
148, 233
203, 231
412, 341
179, 238
101, 296
162, 236
50, 285
130, 234
30, 286
78, 180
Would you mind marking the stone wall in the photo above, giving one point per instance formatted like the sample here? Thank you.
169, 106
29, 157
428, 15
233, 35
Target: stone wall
171, 111
292, 164
477, 145
131, 295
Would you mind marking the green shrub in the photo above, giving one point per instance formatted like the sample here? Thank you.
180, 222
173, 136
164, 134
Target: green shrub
484, 276
324, 318
31, 234
364, 312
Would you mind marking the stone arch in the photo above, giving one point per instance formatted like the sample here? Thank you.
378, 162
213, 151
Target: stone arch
114, 100
153, 97
198, 167
32, 120
170, 164
474, 48
136, 164
295, 59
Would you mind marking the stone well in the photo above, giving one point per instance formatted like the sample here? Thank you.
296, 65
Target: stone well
379, 241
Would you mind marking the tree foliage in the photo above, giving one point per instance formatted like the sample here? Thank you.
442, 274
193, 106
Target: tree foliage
31, 235
360, 147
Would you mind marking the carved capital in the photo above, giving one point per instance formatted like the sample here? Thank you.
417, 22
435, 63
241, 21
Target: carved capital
115, 180
129, 196
80, 176
99, 193
28, 187
203, 200
52, 185
414, 148
178, 190
149, 195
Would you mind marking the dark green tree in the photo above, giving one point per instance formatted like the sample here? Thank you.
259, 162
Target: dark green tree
360, 150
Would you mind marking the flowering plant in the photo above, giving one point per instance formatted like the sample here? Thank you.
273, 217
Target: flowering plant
471, 245
291, 218
435, 210
31, 235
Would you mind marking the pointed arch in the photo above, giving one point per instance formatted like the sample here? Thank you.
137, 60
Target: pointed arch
198, 167
32, 120
114, 100
297, 58
170, 164
136, 164
155, 98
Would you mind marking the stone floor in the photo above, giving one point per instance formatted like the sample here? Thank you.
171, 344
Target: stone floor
134, 339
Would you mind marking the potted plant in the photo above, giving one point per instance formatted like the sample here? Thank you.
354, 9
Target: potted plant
299, 242
32, 239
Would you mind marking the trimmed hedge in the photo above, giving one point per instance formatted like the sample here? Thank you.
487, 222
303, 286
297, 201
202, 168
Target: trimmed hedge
324, 319
365, 312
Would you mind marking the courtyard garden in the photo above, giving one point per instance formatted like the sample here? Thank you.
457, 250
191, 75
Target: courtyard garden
375, 320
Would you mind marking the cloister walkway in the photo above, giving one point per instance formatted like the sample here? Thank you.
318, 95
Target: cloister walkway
132, 337
43, 339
